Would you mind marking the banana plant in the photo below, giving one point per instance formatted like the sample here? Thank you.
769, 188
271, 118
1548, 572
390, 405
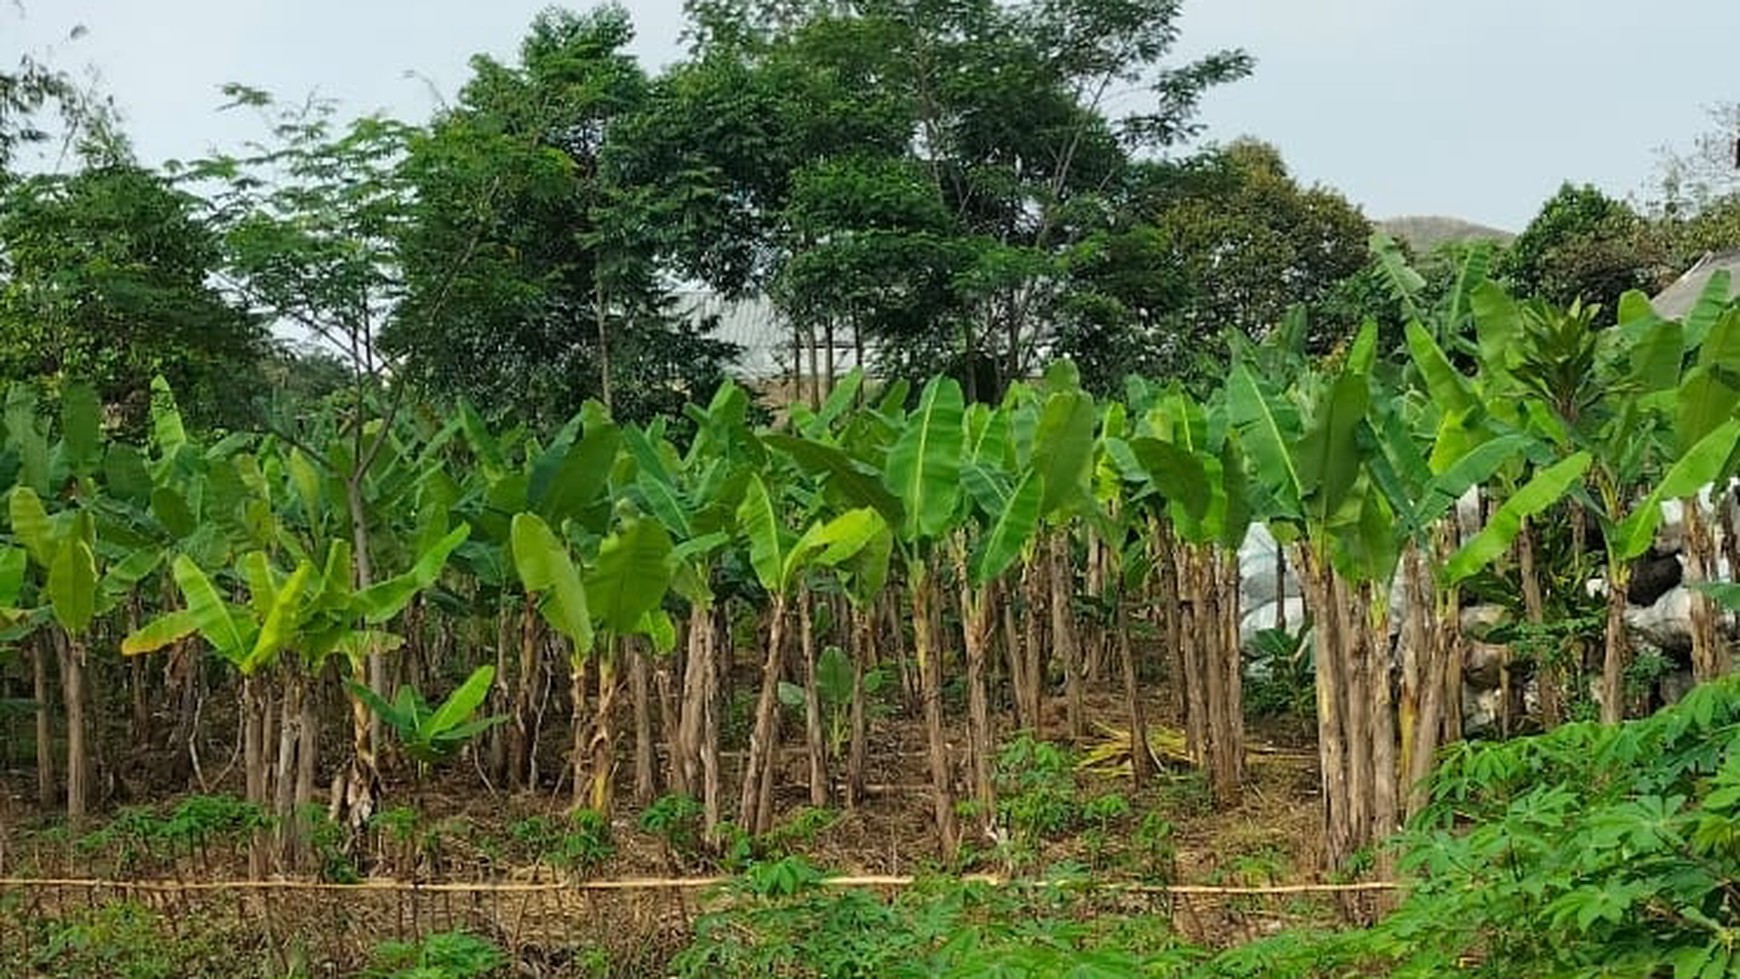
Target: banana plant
1309, 463
431, 734
923, 472
626, 588
779, 560
694, 495
79, 577
1003, 515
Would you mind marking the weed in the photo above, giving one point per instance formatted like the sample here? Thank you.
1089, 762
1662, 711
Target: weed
446, 955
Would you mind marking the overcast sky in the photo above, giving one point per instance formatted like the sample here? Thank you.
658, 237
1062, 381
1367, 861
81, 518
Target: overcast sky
1475, 109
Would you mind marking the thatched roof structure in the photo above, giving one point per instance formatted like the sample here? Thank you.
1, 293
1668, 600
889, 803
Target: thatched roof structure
1678, 299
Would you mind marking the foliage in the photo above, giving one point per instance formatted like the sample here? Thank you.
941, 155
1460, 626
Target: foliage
950, 248
105, 276
431, 734
1279, 680
530, 276
798, 927
1590, 850
1224, 240
1036, 794
445, 955
1583, 245
581, 842
123, 940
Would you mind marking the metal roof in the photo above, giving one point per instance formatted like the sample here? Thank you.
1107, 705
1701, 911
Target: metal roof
1678, 299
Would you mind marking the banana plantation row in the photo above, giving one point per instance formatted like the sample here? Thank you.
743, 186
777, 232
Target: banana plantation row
1008, 549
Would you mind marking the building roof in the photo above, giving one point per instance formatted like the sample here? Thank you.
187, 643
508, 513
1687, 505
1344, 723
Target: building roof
1678, 299
758, 329
762, 334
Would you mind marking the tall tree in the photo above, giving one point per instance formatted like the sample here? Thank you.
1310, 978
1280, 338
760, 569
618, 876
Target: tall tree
1584, 245
105, 275
1223, 240
1004, 111
530, 283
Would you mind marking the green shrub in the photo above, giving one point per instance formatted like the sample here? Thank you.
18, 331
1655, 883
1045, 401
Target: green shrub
446, 955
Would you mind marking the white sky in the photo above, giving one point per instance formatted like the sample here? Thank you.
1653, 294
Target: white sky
1475, 109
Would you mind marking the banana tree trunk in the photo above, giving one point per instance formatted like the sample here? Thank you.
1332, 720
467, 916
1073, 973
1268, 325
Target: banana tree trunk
1193, 652
1141, 759
1169, 615
307, 762
1332, 738
686, 747
863, 629
496, 740
930, 684
77, 753
815, 740
978, 606
1381, 718
47, 790
1700, 547
640, 692
1015, 664
1225, 679
718, 638
1033, 640
756, 809
1063, 634
523, 744
602, 795
1616, 646
257, 780
1094, 638
1549, 671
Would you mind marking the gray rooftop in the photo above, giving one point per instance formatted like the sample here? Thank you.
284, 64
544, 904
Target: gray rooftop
1678, 299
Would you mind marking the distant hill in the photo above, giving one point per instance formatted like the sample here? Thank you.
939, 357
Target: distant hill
1423, 234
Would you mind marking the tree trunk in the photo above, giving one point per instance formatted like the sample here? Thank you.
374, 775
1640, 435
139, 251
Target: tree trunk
1034, 576
522, 746
603, 793
718, 639
1094, 631
686, 748
1381, 717
1171, 613
978, 606
499, 699
293, 711
863, 630
1708, 659
46, 790
1141, 759
814, 739
646, 786
77, 754
930, 683
1195, 657
601, 315
1063, 635
307, 761
1331, 686
1549, 672
1356, 709
1015, 664
365, 576
665, 692
1616, 648
1226, 681
753, 814
255, 776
